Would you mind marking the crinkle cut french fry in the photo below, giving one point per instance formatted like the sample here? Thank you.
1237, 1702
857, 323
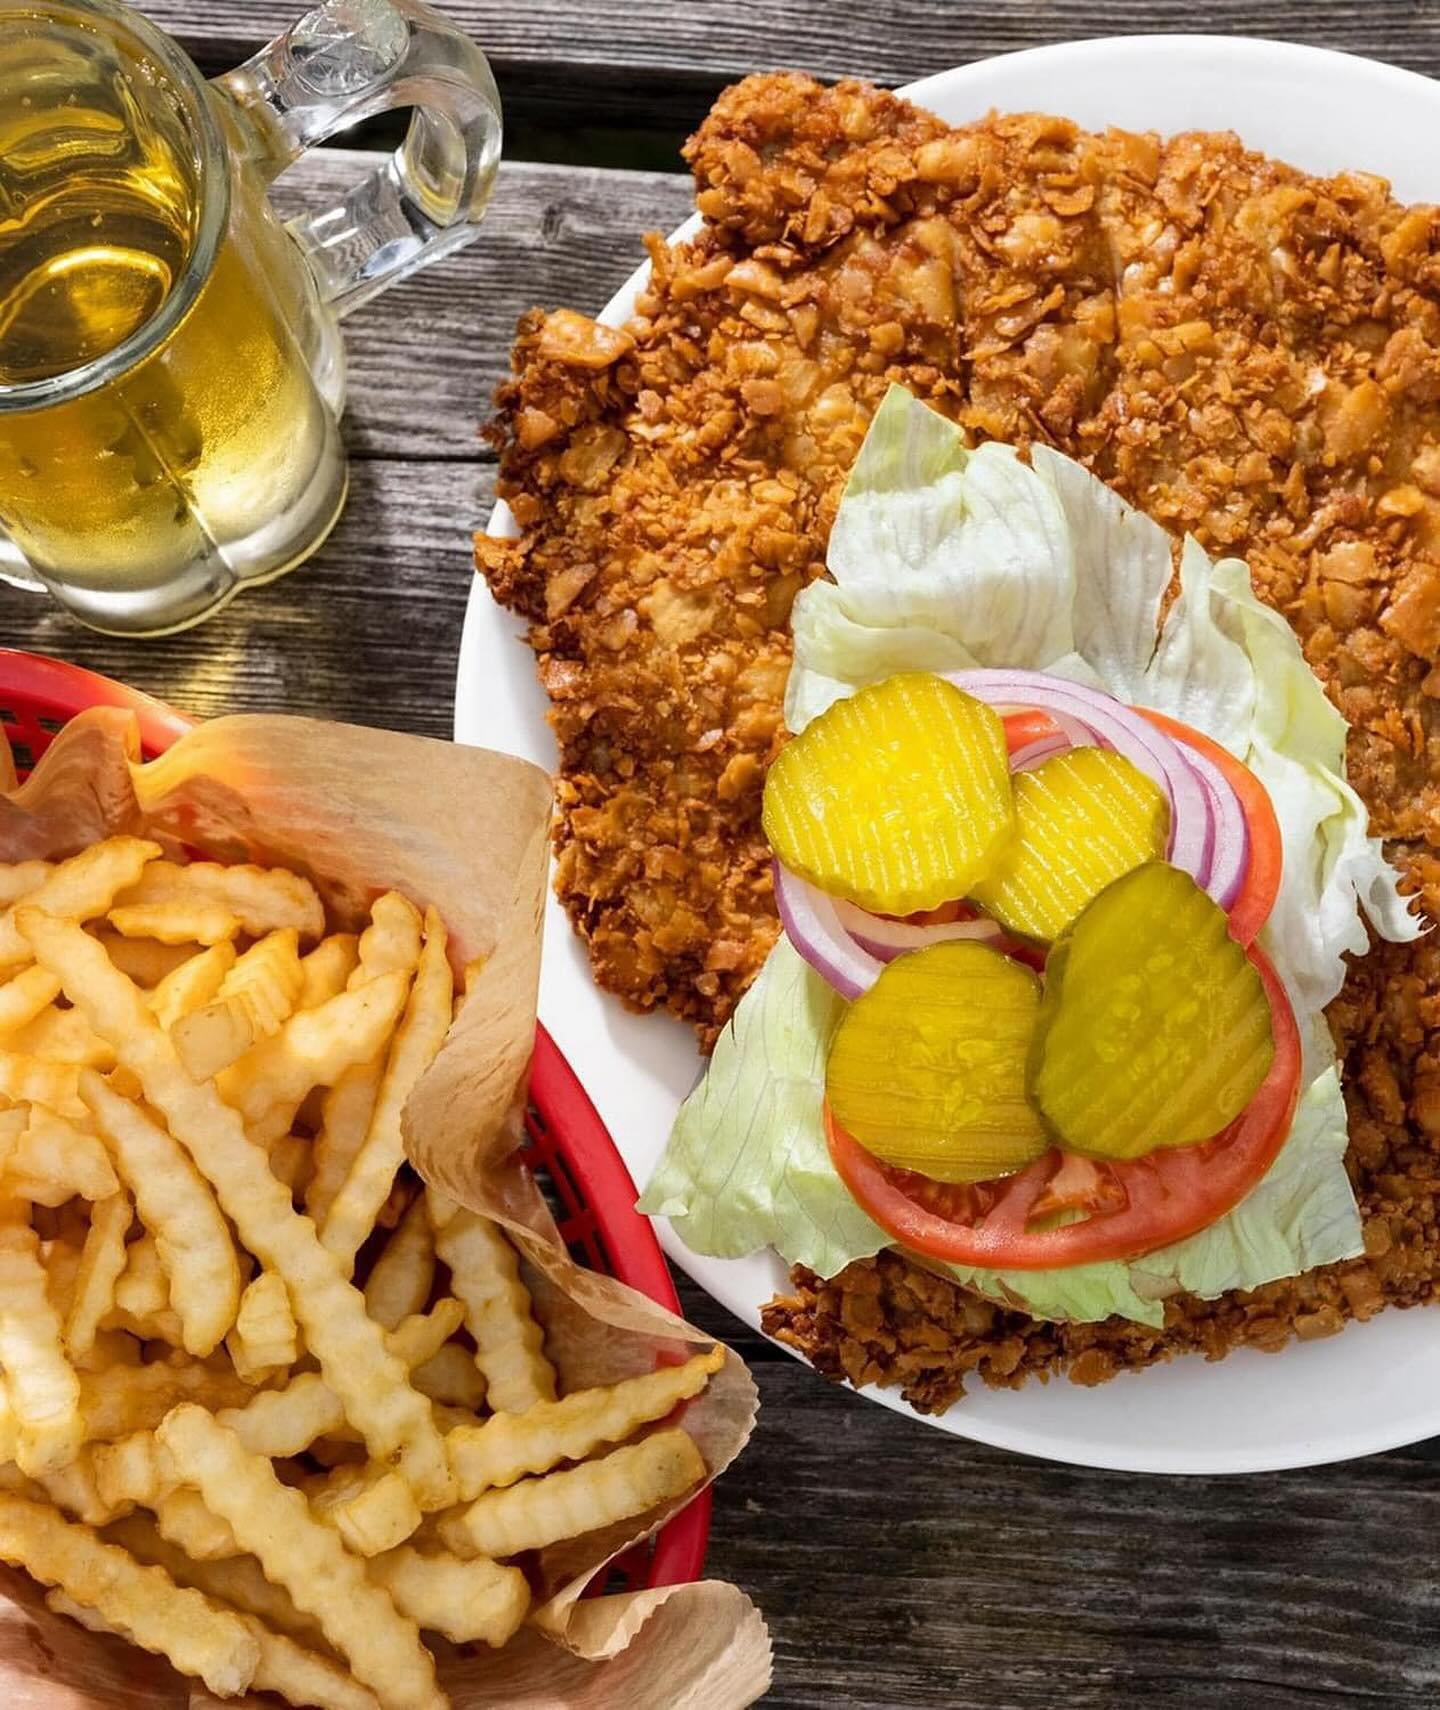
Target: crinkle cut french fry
304, 1676
33, 1080
541, 1511
421, 1335
122, 1399
372, 1382
255, 998
24, 996
390, 944
417, 1043
344, 1122
111, 1348
62, 1603
143, 959
73, 1489
267, 899
63, 1036
314, 1048
372, 1508
198, 1637
177, 1205
9, 1427
451, 1376
326, 969
279, 1422
102, 1259
54, 1161
301, 1676
236, 1580
61, 1259
507, 1447
192, 984
264, 1334
143, 1285
485, 1273
401, 1278
78, 889
182, 1517
268, 980
134, 1468
22, 879
468, 1602
43, 1386
308, 1559
290, 1159
176, 923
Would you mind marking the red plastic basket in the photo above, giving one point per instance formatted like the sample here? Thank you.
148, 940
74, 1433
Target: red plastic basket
568, 1144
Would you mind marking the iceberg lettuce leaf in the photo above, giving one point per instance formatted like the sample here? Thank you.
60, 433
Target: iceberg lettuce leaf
747, 1165
944, 558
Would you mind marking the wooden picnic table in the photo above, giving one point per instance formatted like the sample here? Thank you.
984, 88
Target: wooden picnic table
897, 1567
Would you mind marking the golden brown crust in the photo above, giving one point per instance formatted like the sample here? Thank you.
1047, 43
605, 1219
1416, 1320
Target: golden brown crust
1240, 350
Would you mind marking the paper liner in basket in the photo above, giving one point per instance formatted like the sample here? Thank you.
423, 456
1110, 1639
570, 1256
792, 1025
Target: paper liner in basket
360, 812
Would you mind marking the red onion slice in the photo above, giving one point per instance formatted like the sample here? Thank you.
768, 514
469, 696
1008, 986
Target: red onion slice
887, 939
1035, 754
813, 926
1231, 857
1116, 726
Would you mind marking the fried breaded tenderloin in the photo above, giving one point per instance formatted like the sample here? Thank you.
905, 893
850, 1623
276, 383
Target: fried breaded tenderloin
1244, 352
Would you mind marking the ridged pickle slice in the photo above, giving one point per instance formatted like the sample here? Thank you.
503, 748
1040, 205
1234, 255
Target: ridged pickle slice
1155, 1028
927, 1068
897, 799
1081, 820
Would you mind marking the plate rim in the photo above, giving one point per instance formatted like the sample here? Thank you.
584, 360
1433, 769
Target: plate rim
959, 1420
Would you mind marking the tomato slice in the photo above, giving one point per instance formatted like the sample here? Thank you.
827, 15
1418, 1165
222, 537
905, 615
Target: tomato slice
1265, 868
1133, 1207
1027, 726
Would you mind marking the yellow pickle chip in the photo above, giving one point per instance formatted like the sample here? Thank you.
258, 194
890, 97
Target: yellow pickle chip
1155, 1028
897, 799
1081, 820
927, 1068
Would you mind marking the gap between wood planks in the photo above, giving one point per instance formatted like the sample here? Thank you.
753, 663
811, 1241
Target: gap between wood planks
623, 82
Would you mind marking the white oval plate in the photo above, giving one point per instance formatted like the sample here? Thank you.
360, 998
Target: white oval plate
1375, 1386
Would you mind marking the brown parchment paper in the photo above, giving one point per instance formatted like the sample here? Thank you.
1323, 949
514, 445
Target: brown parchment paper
363, 811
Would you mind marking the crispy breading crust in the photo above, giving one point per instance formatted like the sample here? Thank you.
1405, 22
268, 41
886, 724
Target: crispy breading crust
1242, 351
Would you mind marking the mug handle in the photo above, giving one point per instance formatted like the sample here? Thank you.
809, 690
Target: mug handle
348, 60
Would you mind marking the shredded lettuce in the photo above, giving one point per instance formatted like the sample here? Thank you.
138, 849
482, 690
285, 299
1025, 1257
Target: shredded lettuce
747, 1165
945, 558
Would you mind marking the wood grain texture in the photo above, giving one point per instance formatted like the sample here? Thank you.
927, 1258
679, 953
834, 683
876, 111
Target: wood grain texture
610, 82
655, 65
425, 359
899, 1569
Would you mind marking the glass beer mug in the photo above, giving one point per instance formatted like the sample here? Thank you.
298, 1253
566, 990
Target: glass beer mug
171, 372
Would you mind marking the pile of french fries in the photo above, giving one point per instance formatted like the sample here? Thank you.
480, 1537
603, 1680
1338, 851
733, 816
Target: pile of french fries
271, 1408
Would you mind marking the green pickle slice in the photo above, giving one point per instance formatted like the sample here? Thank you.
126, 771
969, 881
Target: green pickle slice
1081, 820
1155, 1028
927, 1068
897, 799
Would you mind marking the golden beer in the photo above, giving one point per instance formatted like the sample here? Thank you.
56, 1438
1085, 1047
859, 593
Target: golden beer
170, 378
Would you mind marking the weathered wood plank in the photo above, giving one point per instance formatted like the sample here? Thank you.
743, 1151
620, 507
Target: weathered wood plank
425, 360
900, 1568
653, 66
368, 631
